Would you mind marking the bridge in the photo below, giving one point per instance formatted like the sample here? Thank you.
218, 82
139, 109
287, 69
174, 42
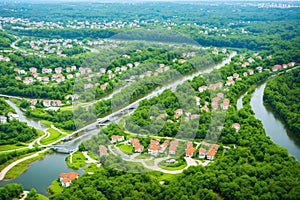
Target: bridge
62, 149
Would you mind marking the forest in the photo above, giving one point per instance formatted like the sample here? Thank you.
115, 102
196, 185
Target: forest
282, 95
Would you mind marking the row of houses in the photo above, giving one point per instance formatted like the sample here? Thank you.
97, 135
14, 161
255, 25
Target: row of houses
4, 58
283, 66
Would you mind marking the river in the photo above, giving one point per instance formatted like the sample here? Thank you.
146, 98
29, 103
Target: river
273, 126
41, 173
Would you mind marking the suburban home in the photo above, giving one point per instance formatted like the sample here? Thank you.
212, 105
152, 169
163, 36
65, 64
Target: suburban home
259, 69
123, 68
251, 60
205, 108
190, 150
136, 64
220, 95
236, 126
210, 154
181, 61
45, 79
58, 70
173, 147
202, 88
235, 75
291, 64
251, 72
164, 146
18, 78
245, 74
33, 69
12, 116
229, 82
138, 148
224, 50
179, 111
202, 153
46, 71
102, 70
197, 99
117, 138
3, 119
67, 178
102, 150
225, 105
56, 103
46, 103
69, 76
276, 68
28, 80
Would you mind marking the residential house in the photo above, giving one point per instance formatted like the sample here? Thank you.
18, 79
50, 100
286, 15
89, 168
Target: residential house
250, 71
56, 103
235, 75
69, 76
236, 126
190, 150
3, 119
117, 138
202, 88
229, 82
259, 69
46, 71
173, 147
18, 78
46, 103
202, 153
58, 70
245, 74
33, 70
164, 146
197, 99
102, 150
225, 105
179, 111
12, 116
153, 147
276, 68
291, 64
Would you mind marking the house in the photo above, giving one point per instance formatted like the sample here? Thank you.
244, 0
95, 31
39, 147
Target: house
173, 147
164, 146
123, 68
117, 138
12, 116
102, 70
103, 87
73, 68
3, 119
138, 148
153, 147
251, 60
111, 75
229, 82
58, 70
46, 103
159, 70
130, 65
68, 69
205, 108
202, 88
46, 71
202, 153
181, 61
235, 75
45, 79
28, 80
66, 179
210, 154
33, 69
197, 99
102, 150
259, 69
276, 68
236, 126
250, 71
69, 76
284, 66
245, 64
225, 105
215, 51
117, 69
245, 74
56, 103
161, 116
291, 64
18, 78
230, 78
136, 64
179, 111
190, 150
32, 101
220, 95
224, 50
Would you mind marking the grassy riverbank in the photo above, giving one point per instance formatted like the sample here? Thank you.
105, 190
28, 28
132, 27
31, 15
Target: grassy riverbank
54, 136
23, 166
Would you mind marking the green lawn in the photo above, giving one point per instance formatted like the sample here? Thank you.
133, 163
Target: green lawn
55, 187
128, 149
54, 135
46, 123
10, 147
143, 156
78, 160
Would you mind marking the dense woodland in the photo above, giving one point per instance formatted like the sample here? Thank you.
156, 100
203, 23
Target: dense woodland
282, 94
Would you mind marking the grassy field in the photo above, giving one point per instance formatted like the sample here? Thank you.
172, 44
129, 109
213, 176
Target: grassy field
46, 123
23, 166
10, 147
54, 135
78, 160
55, 187
41, 197
143, 156
128, 149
